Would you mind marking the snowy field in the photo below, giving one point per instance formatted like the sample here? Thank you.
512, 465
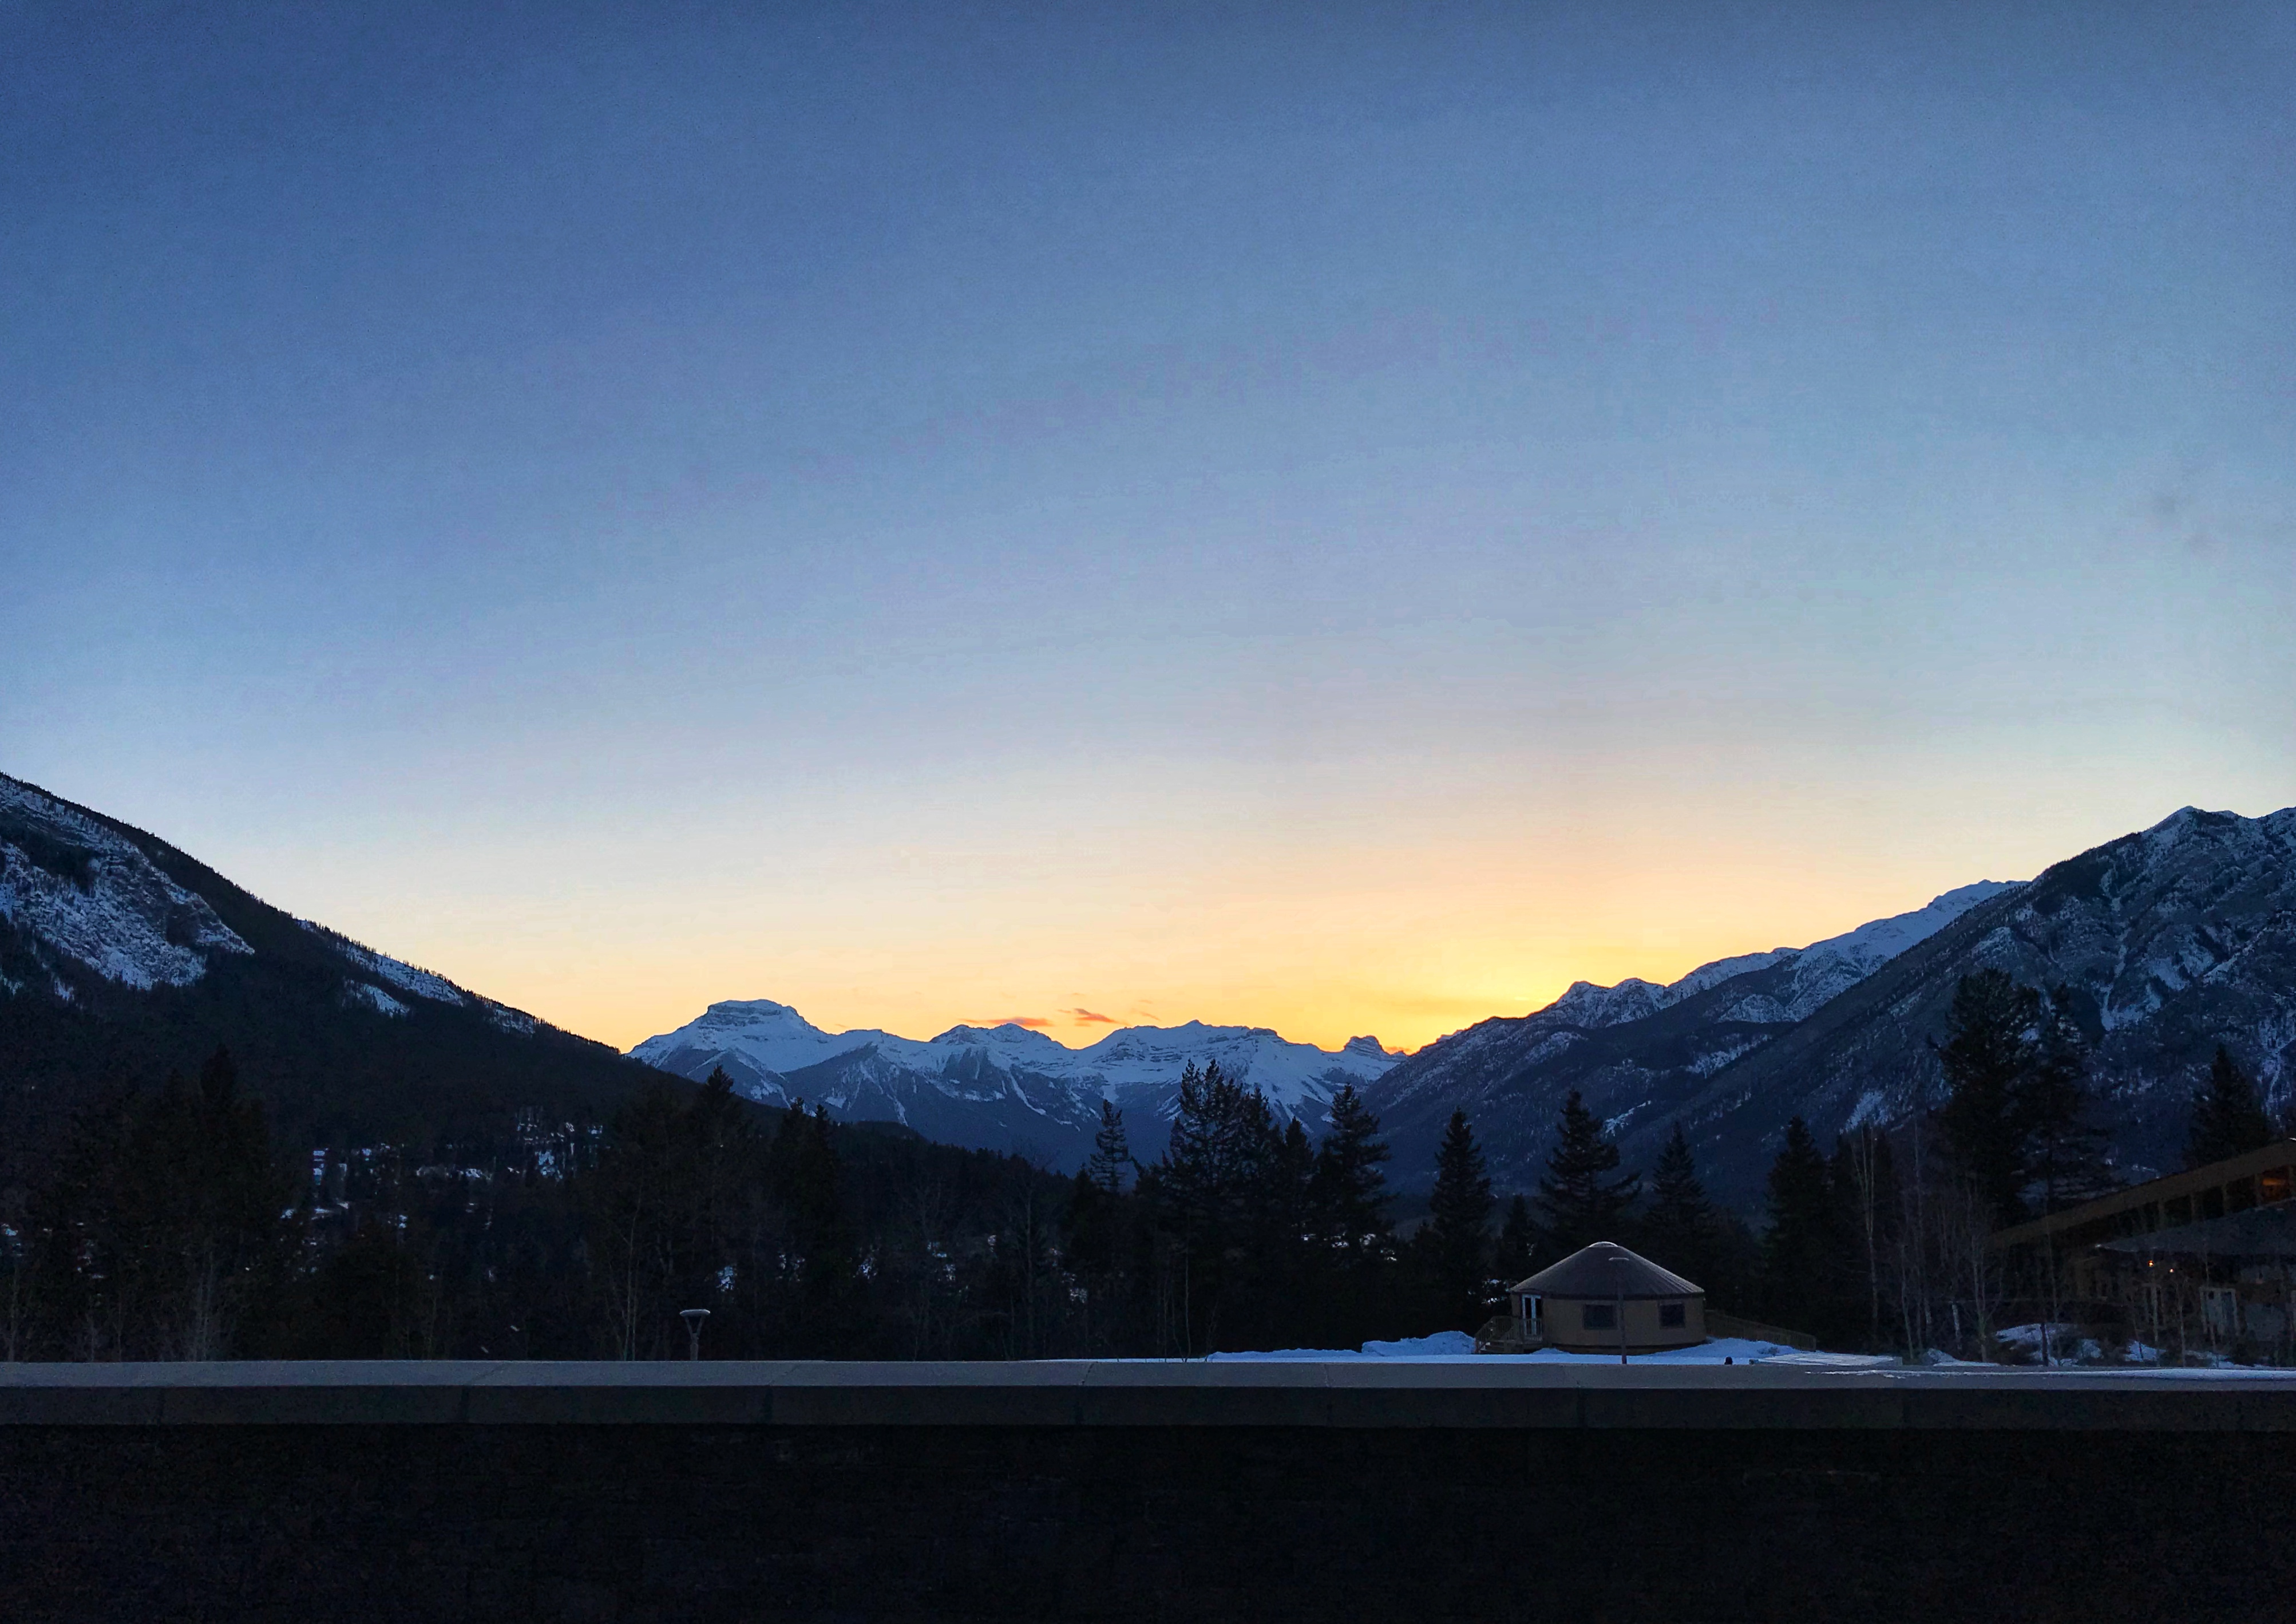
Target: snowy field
1457, 1348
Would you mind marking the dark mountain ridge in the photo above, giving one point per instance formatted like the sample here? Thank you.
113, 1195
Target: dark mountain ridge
123, 958
2167, 942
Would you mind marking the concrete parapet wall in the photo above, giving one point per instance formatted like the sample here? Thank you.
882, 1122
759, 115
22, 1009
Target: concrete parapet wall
1135, 1492
1126, 1393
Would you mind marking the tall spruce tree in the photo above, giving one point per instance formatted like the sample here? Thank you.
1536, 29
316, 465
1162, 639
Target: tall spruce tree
1990, 1048
1578, 1205
1214, 1199
1801, 1251
2065, 1162
1518, 1244
1456, 1239
1867, 1204
1349, 1191
2227, 1117
1111, 1153
1678, 1228
807, 1179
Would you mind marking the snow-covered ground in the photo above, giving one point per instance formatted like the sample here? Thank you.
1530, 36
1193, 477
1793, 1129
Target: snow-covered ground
1457, 1348
1450, 1346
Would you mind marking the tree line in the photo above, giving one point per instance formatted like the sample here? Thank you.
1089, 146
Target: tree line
1885, 1243
169, 1228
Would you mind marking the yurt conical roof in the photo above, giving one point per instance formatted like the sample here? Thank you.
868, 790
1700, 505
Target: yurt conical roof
1607, 1269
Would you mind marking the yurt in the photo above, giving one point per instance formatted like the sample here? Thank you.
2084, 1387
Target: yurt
1603, 1299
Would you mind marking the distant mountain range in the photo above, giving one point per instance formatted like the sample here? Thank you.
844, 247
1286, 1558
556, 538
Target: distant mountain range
122, 957
1004, 1086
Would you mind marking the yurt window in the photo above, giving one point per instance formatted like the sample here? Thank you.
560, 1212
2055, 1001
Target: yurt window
1597, 1316
1669, 1314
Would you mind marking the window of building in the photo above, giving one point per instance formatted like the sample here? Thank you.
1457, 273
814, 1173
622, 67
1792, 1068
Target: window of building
2176, 1209
2212, 1202
1670, 1316
1597, 1316
2273, 1184
2240, 1196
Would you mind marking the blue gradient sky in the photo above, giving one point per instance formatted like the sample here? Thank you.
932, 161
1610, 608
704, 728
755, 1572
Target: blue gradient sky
1343, 519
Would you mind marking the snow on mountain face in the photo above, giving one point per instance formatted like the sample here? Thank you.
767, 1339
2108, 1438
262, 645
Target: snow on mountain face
381, 1002
88, 894
995, 1087
2164, 943
1820, 971
77, 894
405, 977
1637, 1050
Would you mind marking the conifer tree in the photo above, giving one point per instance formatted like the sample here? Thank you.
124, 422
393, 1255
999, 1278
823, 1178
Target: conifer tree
1349, 1191
162, 1238
1213, 1194
2227, 1117
1577, 1204
1456, 1239
1678, 1227
1989, 1050
1866, 1206
2064, 1147
809, 1185
1110, 1153
1801, 1253
1518, 1244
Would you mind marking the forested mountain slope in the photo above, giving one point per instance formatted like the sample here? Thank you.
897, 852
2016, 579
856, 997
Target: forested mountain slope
2168, 942
123, 958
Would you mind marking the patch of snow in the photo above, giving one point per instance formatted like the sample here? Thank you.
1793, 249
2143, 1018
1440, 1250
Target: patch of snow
1421, 1347
405, 977
374, 998
1457, 1348
1872, 1106
1713, 1060
516, 1021
2062, 1341
120, 915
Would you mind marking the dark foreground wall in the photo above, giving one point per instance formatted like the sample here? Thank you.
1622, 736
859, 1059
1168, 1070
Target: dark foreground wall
1173, 1492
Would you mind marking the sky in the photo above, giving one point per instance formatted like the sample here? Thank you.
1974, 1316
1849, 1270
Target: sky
1338, 519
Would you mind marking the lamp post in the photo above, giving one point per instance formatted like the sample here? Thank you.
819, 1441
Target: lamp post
1619, 1302
694, 1319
